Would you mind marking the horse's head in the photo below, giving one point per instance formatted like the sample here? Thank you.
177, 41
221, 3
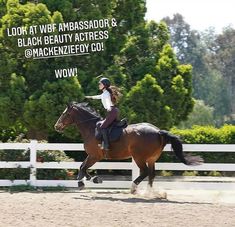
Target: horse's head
76, 113
66, 118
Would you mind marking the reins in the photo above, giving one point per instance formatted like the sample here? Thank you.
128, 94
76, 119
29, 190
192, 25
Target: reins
87, 120
90, 119
79, 123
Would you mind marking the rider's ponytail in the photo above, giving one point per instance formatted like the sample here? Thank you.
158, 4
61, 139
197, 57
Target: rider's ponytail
114, 93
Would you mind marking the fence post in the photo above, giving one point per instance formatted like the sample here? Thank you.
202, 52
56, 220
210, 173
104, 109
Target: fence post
33, 161
135, 170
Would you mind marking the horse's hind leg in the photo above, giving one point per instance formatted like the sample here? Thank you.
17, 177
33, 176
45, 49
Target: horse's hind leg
151, 165
151, 173
143, 173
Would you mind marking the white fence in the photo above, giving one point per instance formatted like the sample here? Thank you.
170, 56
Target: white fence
219, 183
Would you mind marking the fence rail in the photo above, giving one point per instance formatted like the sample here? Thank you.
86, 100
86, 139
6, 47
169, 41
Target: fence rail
167, 183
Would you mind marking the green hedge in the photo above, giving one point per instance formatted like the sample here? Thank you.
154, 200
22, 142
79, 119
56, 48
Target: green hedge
210, 135
204, 135
207, 135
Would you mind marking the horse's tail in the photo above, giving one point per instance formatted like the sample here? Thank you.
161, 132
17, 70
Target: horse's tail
177, 147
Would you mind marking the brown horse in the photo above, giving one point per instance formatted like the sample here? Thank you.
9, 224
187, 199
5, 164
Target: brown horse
143, 142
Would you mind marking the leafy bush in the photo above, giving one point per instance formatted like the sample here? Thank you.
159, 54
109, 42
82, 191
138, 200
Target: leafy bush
215, 174
207, 134
210, 135
165, 173
190, 173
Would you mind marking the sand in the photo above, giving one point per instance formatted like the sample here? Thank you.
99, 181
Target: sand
116, 208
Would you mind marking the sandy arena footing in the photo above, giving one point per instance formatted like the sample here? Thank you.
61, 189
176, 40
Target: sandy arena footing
119, 208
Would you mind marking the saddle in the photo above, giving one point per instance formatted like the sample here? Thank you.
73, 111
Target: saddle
115, 130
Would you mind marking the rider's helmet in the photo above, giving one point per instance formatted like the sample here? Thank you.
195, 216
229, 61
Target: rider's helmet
105, 81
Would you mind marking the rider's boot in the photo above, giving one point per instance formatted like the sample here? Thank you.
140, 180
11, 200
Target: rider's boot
105, 142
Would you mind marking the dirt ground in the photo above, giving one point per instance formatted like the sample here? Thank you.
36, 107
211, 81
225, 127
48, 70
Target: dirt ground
117, 208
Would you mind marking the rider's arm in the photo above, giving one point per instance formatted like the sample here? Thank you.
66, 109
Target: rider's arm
94, 97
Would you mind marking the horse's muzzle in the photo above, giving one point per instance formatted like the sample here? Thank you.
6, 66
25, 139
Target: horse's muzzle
59, 127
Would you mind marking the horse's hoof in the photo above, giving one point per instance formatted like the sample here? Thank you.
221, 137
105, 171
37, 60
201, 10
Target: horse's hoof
88, 178
81, 185
97, 180
133, 191
164, 195
133, 188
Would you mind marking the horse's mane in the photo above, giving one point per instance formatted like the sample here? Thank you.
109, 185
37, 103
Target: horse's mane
86, 107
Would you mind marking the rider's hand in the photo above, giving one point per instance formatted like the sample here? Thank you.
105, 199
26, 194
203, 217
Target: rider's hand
88, 96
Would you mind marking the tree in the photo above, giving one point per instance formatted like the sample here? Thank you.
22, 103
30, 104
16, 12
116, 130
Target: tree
2, 7
11, 102
43, 108
149, 106
30, 97
201, 115
190, 50
163, 98
197, 49
141, 50
176, 81
223, 60
65, 7
134, 49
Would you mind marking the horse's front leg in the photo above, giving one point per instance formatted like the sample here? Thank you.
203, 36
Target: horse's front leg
82, 172
88, 162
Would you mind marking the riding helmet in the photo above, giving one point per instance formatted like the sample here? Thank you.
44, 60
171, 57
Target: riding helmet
105, 81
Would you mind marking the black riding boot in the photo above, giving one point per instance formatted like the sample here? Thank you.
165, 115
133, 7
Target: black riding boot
105, 142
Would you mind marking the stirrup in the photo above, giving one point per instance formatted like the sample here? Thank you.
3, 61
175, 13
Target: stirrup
103, 147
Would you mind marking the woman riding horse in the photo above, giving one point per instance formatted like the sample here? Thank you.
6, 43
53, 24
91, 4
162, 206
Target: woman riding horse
109, 97
143, 142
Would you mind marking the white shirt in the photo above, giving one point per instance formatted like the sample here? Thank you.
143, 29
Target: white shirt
105, 99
